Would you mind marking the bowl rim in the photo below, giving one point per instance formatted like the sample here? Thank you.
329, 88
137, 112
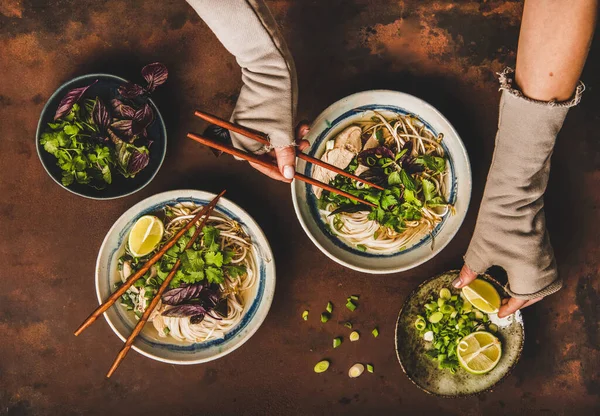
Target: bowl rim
520, 319
40, 127
258, 319
438, 248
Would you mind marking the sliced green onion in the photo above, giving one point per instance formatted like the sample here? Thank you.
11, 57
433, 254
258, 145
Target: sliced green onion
337, 342
324, 317
478, 314
348, 325
350, 305
375, 332
420, 324
329, 307
353, 297
445, 293
446, 309
305, 315
354, 336
321, 366
493, 327
440, 302
370, 368
435, 317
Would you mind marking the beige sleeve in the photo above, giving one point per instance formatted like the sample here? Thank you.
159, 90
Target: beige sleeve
268, 98
511, 225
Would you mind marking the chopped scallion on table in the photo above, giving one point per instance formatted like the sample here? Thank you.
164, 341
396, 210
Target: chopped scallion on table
375, 332
329, 307
325, 317
370, 368
337, 342
305, 315
354, 336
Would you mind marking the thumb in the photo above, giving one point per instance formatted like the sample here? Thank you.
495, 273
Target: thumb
286, 160
511, 307
465, 277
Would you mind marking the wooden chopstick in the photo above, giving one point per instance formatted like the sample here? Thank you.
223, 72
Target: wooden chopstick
263, 138
140, 325
131, 279
255, 159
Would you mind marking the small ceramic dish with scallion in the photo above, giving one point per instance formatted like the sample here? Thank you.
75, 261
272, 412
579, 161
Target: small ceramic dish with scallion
451, 343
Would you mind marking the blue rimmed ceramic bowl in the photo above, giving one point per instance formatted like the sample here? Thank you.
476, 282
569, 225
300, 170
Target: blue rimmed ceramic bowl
106, 89
168, 349
336, 118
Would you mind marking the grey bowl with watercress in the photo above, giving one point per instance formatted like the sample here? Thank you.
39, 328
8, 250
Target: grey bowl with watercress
102, 137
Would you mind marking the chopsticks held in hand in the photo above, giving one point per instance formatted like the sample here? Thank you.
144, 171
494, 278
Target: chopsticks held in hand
132, 279
260, 161
140, 325
262, 138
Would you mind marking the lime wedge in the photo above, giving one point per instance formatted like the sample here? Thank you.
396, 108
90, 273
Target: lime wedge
479, 352
483, 295
145, 235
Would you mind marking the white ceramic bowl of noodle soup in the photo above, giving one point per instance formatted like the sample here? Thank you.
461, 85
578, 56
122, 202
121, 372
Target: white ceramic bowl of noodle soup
168, 349
328, 125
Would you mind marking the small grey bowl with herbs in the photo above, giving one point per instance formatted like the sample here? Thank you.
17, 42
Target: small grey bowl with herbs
102, 137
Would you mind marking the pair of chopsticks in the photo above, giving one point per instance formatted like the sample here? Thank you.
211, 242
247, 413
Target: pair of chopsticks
262, 138
206, 211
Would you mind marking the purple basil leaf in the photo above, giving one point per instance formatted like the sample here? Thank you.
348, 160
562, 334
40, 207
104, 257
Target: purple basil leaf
155, 74
130, 90
185, 310
181, 294
100, 115
137, 162
121, 109
142, 119
123, 127
376, 175
219, 134
196, 319
69, 99
350, 208
380, 151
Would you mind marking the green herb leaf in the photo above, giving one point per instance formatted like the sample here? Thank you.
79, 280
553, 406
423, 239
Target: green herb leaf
213, 258
428, 189
214, 275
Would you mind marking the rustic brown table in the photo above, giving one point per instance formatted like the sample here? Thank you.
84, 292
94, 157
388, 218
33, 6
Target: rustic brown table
444, 52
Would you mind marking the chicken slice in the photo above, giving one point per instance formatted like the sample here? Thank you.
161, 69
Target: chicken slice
349, 139
337, 157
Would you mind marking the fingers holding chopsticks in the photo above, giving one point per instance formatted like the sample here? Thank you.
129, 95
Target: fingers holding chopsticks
286, 157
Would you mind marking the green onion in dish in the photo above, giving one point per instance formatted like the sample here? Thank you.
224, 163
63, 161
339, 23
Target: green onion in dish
443, 322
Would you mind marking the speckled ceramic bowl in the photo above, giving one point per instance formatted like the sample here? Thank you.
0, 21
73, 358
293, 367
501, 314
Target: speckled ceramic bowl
168, 349
357, 107
105, 88
424, 372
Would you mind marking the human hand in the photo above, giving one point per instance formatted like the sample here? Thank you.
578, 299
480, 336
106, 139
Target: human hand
509, 306
285, 157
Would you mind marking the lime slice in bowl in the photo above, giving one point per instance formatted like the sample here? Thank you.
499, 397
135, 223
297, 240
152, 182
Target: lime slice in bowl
482, 295
479, 352
145, 235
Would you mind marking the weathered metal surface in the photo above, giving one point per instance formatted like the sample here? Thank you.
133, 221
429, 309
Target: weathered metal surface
444, 52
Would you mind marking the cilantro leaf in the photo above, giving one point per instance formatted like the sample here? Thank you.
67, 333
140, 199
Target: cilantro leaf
210, 236
228, 256
214, 258
235, 271
214, 275
428, 189
191, 261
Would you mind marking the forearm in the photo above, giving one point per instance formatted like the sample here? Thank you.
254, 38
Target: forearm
553, 46
267, 101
